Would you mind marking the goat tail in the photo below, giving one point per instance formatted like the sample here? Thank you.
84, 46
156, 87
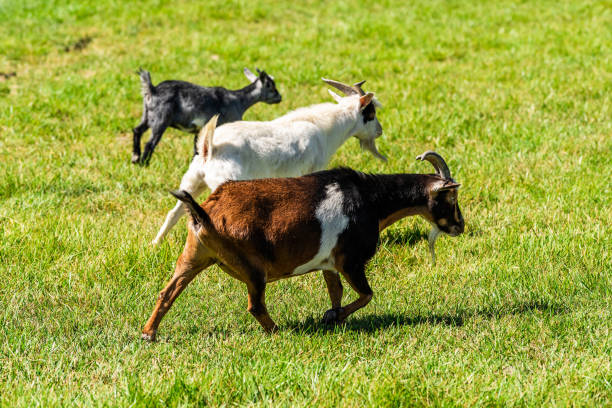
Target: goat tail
198, 215
205, 138
146, 86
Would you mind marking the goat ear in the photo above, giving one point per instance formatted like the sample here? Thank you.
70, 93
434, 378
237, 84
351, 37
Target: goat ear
443, 185
250, 76
211, 124
334, 95
365, 100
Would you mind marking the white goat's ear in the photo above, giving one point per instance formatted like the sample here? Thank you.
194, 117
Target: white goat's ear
334, 95
365, 100
250, 76
205, 138
211, 125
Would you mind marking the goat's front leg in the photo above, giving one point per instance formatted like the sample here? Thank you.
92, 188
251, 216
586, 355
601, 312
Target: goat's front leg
186, 269
257, 305
334, 288
355, 276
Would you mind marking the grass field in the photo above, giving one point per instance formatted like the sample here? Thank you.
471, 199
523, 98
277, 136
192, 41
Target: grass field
515, 95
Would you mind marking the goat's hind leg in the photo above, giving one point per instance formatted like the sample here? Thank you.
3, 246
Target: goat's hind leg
138, 131
192, 183
257, 305
189, 264
158, 128
172, 218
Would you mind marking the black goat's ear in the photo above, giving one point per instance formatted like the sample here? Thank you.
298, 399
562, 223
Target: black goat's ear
443, 185
250, 76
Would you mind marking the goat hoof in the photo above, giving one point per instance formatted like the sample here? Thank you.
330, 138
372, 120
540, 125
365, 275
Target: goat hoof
135, 158
148, 336
332, 316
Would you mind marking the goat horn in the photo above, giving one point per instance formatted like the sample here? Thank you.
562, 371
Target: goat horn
357, 87
344, 88
438, 163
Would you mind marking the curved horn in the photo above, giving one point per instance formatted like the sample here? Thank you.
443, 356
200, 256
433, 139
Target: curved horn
344, 88
438, 163
357, 87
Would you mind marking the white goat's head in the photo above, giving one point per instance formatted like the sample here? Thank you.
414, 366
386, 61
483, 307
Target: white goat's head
369, 128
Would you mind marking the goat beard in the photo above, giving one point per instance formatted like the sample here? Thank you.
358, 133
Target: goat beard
370, 146
433, 235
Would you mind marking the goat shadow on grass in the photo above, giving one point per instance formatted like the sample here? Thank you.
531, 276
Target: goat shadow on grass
372, 323
402, 237
78, 45
6, 75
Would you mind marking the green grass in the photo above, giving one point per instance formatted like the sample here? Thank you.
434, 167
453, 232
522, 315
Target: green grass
516, 96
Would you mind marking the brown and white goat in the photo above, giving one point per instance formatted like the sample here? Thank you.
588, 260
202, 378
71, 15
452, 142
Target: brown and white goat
260, 231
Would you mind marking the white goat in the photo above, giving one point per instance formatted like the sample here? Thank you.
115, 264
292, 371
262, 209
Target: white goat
297, 143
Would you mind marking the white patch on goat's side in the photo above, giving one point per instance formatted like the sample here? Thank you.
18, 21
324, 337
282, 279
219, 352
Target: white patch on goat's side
333, 222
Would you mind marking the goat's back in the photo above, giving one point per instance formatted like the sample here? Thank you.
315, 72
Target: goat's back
253, 150
272, 205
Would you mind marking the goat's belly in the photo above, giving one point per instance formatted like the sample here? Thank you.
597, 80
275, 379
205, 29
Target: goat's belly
315, 265
189, 129
327, 265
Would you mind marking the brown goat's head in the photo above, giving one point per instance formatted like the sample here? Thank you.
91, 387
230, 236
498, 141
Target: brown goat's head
443, 206
444, 213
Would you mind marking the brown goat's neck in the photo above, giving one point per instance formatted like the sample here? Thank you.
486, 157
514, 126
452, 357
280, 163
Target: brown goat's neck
395, 196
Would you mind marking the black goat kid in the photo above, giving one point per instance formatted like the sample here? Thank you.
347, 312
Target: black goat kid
188, 107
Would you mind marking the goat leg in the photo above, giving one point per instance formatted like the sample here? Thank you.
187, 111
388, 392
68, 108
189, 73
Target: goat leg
334, 288
137, 132
186, 269
355, 276
257, 305
157, 132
